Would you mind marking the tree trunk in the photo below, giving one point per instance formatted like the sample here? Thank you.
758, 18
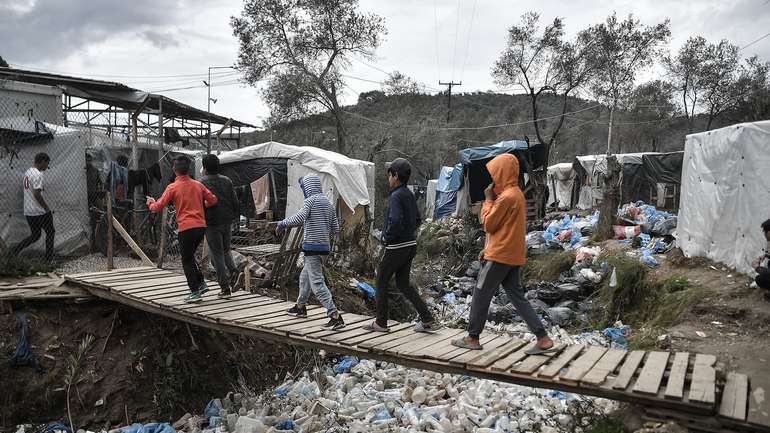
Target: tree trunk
610, 200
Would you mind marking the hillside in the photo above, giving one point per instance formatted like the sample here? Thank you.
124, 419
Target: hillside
405, 125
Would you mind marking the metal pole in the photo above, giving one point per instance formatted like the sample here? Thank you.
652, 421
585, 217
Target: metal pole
208, 102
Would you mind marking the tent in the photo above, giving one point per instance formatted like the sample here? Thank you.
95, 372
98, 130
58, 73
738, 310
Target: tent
589, 178
345, 181
561, 178
65, 182
725, 194
449, 183
663, 178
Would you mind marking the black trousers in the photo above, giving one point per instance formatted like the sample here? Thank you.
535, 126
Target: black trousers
399, 263
763, 278
36, 225
189, 240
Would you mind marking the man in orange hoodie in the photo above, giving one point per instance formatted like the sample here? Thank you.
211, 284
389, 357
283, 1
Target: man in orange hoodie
190, 198
504, 219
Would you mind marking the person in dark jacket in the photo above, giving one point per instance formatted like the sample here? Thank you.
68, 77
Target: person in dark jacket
219, 220
762, 264
400, 238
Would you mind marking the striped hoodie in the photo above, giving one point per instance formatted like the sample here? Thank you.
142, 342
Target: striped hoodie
318, 216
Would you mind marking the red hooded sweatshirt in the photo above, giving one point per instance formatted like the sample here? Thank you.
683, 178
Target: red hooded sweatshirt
504, 219
189, 198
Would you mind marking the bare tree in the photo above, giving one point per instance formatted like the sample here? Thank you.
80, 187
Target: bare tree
622, 49
686, 74
302, 47
754, 80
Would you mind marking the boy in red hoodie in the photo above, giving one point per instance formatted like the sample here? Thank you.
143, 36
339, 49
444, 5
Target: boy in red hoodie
190, 198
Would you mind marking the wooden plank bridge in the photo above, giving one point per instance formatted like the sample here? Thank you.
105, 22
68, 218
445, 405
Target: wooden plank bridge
681, 386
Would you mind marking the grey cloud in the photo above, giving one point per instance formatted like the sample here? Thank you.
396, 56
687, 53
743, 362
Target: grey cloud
53, 30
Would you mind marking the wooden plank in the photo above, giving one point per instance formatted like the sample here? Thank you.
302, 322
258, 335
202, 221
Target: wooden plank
676, 376
651, 375
415, 349
735, 397
126, 285
271, 322
118, 275
505, 364
703, 382
554, 368
224, 305
487, 357
254, 312
473, 354
628, 369
110, 218
431, 350
159, 293
317, 323
385, 337
533, 362
759, 406
350, 323
361, 335
455, 352
583, 364
134, 247
316, 334
408, 341
606, 365
99, 273
145, 292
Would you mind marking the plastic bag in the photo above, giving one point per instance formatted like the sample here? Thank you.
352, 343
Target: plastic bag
212, 409
626, 232
345, 364
366, 289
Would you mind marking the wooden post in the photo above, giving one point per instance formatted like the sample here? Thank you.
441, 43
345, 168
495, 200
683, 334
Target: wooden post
162, 242
110, 263
131, 243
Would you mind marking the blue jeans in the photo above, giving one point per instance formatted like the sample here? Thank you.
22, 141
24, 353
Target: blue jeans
312, 278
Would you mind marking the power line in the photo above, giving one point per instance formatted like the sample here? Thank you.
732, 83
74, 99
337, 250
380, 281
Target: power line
753, 42
224, 83
468, 40
52, 71
454, 53
435, 30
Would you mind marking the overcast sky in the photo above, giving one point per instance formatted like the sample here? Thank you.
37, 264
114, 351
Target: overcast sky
142, 42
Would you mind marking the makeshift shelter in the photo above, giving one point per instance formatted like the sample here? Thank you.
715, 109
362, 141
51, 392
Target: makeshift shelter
725, 194
561, 178
449, 183
347, 182
21, 138
589, 178
663, 178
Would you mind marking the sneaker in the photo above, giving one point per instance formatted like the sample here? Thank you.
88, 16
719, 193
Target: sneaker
753, 285
335, 324
374, 327
297, 311
421, 326
193, 298
224, 294
203, 288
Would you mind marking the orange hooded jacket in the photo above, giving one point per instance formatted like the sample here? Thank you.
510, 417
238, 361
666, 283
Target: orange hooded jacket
504, 219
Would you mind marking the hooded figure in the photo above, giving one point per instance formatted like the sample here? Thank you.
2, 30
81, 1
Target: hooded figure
318, 216
504, 219
321, 227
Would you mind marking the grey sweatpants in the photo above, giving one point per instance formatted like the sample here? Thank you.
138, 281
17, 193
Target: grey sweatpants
218, 238
312, 278
491, 277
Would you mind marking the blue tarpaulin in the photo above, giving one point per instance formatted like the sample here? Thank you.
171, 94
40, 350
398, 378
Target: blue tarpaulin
449, 181
485, 152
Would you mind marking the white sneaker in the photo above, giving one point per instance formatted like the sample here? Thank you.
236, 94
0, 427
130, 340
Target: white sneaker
753, 285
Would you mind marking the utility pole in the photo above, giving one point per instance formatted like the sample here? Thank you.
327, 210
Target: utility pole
208, 101
449, 98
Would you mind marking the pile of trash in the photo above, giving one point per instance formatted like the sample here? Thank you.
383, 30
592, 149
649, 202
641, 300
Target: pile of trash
647, 230
369, 397
568, 233
559, 302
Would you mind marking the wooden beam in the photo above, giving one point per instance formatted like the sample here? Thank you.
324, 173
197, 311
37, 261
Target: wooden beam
110, 251
162, 242
145, 260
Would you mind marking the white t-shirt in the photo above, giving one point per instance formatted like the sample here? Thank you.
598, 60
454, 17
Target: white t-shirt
33, 179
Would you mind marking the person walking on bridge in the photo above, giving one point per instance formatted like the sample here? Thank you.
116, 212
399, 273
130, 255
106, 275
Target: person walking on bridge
402, 219
190, 199
503, 217
321, 227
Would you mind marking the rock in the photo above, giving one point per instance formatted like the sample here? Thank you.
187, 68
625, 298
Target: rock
561, 316
248, 425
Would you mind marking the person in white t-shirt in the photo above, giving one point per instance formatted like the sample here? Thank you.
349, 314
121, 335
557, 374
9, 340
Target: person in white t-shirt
36, 210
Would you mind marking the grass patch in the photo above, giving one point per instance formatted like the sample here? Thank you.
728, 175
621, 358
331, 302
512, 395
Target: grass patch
549, 266
11, 266
606, 425
647, 305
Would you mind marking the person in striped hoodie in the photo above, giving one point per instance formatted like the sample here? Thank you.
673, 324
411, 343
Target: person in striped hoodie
321, 227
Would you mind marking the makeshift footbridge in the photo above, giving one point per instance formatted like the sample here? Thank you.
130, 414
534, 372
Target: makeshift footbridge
680, 386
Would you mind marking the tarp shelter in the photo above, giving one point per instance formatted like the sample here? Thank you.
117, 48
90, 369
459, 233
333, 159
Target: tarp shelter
663, 178
561, 178
589, 178
64, 181
725, 194
449, 183
345, 180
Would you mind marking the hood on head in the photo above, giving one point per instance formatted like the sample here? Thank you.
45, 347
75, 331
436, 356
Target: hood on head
505, 171
311, 185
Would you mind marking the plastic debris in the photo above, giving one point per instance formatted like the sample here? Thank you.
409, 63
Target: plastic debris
619, 334
345, 364
366, 289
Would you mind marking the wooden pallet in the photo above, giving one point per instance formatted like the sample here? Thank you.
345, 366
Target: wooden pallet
681, 383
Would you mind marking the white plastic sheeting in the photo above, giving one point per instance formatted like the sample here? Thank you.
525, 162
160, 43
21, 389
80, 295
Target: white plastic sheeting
430, 198
725, 194
353, 179
595, 166
561, 178
64, 190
